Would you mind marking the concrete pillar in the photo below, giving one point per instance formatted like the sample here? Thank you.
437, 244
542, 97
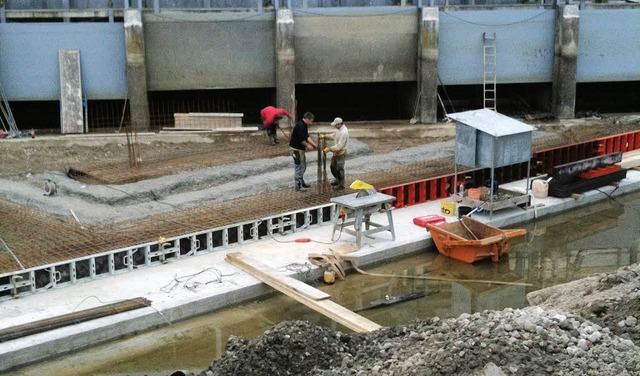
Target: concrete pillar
285, 62
136, 70
428, 65
565, 62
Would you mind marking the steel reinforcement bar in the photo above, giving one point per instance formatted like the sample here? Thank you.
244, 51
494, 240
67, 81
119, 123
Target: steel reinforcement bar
542, 162
43, 278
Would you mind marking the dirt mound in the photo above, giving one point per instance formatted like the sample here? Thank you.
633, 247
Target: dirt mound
552, 339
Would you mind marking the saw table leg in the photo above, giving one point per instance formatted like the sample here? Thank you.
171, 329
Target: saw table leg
387, 208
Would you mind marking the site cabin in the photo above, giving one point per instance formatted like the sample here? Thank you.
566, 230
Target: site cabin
469, 240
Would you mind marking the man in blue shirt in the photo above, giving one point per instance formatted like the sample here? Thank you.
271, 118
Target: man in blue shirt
299, 144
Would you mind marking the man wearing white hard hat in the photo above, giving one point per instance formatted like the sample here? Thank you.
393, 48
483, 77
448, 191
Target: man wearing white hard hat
339, 149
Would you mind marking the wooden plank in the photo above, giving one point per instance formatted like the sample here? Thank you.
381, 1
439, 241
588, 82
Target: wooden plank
72, 318
630, 154
630, 160
343, 249
292, 288
272, 278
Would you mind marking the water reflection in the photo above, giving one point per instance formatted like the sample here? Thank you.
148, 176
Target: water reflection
595, 239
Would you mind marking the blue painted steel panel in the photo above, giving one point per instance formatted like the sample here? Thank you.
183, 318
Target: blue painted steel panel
609, 45
609, 49
524, 45
29, 59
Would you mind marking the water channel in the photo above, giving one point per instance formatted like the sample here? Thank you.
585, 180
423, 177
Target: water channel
593, 239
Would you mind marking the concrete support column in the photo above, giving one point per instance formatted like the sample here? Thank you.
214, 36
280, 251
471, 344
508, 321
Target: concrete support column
136, 70
285, 62
428, 65
565, 62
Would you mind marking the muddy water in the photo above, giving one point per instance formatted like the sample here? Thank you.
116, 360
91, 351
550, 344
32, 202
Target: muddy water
598, 238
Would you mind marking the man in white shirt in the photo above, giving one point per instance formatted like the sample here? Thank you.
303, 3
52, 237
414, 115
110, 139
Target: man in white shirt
339, 149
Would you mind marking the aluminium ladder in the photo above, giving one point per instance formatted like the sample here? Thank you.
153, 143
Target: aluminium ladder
489, 70
6, 116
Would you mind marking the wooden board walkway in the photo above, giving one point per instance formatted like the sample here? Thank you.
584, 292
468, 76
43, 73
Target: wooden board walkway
303, 293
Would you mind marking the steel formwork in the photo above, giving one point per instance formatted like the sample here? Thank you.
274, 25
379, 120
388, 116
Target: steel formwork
118, 261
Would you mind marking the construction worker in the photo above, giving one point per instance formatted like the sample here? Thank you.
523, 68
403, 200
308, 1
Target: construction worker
299, 144
339, 149
270, 116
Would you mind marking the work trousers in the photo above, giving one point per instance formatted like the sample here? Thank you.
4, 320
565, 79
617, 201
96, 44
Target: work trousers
299, 165
337, 168
272, 131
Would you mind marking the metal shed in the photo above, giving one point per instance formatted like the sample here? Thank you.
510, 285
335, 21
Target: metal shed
487, 139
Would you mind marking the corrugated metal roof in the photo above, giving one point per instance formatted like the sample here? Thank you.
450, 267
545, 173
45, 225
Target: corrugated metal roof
491, 122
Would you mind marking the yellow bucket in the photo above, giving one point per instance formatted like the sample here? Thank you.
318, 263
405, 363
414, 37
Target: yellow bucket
447, 207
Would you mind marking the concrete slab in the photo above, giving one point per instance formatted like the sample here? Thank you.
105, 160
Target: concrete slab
188, 287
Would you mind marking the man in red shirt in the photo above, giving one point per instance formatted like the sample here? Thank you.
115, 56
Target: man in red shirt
270, 116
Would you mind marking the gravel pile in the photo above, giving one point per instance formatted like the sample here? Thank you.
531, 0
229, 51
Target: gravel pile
537, 340
609, 299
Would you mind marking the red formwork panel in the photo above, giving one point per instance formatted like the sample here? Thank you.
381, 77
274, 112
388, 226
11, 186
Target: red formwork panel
422, 189
411, 193
547, 159
623, 143
634, 144
609, 146
400, 203
446, 183
433, 189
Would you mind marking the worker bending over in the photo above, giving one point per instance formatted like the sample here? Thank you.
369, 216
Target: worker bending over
270, 116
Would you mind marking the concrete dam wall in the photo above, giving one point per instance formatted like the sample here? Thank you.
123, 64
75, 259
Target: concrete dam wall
182, 49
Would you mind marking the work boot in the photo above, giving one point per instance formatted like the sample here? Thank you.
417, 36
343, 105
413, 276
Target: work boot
300, 187
337, 187
275, 140
305, 185
335, 182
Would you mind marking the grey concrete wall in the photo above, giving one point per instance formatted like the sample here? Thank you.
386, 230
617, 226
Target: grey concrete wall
335, 48
210, 51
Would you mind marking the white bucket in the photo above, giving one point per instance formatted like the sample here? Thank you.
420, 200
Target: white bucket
540, 188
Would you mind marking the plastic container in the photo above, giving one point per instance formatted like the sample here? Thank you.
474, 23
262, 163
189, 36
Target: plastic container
447, 207
432, 219
474, 193
464, 210
540, 188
